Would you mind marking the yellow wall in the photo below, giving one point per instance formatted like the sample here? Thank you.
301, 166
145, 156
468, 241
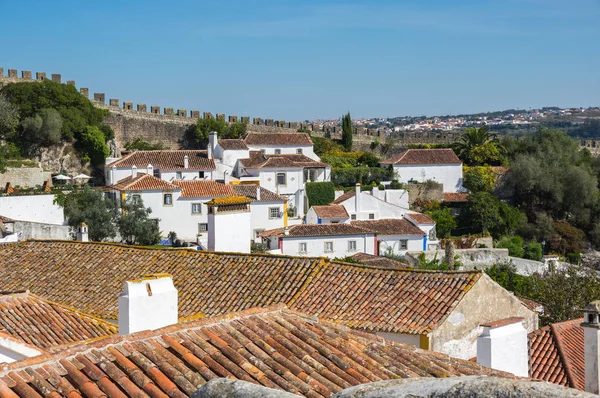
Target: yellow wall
285, 217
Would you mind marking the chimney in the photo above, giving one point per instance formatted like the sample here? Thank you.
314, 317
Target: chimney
503, 346
186, 162
226, 178
357, 198
150, 170
591, 340
286, 231
258, 193
133, 171
212, 143
147, 304
113, 175
82, 232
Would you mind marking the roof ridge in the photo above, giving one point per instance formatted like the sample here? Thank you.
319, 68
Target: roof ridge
563, 357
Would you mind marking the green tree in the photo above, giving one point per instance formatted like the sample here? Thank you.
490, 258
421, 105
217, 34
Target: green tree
197, 135
92, 144
514, 244
483, 212
347, 131
444, 221
533, 251
9, 117
141, 145
477, 146
320, 193
41, 129
91, 207
505, 274
135, 225
479, 178
368, 159
7, 151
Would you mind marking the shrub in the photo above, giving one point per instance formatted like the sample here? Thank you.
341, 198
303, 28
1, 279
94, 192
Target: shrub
533, 251
93, 144
320, 193
258, 248
514, 244
141, 145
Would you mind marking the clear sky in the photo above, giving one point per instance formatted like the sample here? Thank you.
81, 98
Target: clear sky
306, 59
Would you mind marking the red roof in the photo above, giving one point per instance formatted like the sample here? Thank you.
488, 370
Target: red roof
316, 230
456, 197
379, 261
281, 139
249, 191
424, 156
331, 211
420, 218
166, 160
5, 220
258, 160
143, 182
203, 189
344, 197
233, 144
390, 226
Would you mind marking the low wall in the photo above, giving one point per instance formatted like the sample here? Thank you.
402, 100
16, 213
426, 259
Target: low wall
34, 230
22, 176
33, 208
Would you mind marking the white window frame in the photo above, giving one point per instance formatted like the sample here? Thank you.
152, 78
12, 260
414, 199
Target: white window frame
403, 244
200, 230
284, 178
325, 246
351, 243
302, 245
179, 175
199, 206
279, 212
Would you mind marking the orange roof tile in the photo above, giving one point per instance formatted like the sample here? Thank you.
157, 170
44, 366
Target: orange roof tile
273, 347
249, 191
331, 211
379, 261
166, 160
258, 160
341, 199
233, 144
316, 230
420, 218
424, 156
45, 324
291, 139
6, 220
143, 182
457, 197
390, 226
203, 189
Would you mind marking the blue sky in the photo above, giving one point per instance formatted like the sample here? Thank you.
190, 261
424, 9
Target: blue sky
306, 59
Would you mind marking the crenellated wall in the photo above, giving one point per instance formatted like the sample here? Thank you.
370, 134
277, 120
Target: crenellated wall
167, 125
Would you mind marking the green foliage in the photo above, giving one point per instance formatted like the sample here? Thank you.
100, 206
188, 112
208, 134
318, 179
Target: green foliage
347, 259
364, 175
514, 244
396, 185
374, 144
533, 251
434, 265
347, 132
141, 145
479, 178
89, 206
135, 225
506, 276
322, 146
444, 221
368, 159
7, 152
477, 146
93, 145
486, 213
197, 135
9, 117
41, 129
258, 248
567, 239
320, 193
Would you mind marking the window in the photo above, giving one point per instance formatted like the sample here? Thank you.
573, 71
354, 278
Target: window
403, 244
156, 173
335, 222
200, 174
302, 247
136, 197
313, 175
351, 245
328, 247
178, 175
277, 151
202, 228
353, 216
168, 199
196, 208
263, 151
299, 151
371, 216
432, 234
281, 180
274, 213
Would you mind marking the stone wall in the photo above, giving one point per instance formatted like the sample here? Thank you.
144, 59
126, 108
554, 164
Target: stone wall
34, 230
419, 191
23, 177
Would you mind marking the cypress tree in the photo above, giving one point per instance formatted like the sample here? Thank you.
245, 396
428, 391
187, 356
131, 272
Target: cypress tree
347, 132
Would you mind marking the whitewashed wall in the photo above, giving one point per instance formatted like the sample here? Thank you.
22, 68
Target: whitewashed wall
34, 208
312, 218
315, 245
372, 205
259, 214
229, 232
307, 150
449, 175
189, 174
393, 241
169, 216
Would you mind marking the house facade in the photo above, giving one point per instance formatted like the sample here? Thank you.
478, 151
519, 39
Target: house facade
395, 236
332, 214
364, 205
281, 144
420, 165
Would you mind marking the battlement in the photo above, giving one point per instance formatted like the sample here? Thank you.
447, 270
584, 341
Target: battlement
12, 76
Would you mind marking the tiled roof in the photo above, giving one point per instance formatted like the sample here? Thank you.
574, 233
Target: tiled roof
89, 276
390, 226
331, 211
258, 160
344, 197
45, 324
425, 156
203, 189
420, 218
249, 191
457, 197
273, 347
384, 300
233, 144
6, 220
556, 354
166, 160
379, 261
316, 230
283, 139
143, 182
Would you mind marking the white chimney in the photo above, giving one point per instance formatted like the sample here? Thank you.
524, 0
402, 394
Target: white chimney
286, 231
591, 343
113, 175
503, 346
357, 198
258, 193
147, 304
212, 143
133, 171
186, 162
149, 170
226, 178
82, 232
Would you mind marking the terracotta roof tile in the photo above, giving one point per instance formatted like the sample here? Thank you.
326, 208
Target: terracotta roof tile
233, 144
457, 197
420, 218
258, 160
331, 211
292, 139
166, 160
274, 347
316, 230
44, 324
249, 191
344, 197
390, 226
424, 156
379, 261
143, 182
6, 220
203, 189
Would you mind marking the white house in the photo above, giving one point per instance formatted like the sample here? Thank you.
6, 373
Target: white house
332, 240
332, 214
281, 144
168, 165
267, 209
229, 223
419, 165
427, 225
363, 205
285, 175
394, 236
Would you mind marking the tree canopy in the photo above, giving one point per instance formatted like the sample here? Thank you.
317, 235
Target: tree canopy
477, 146
347, 131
